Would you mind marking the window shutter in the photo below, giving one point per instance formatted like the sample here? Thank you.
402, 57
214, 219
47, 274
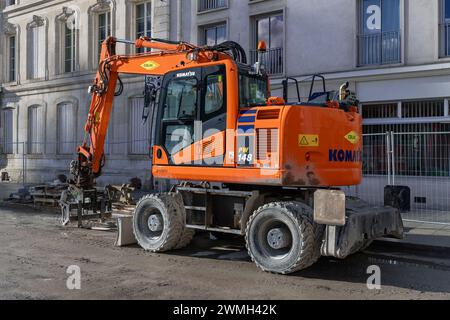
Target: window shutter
66, 128
36, 125
139, 132
8, 130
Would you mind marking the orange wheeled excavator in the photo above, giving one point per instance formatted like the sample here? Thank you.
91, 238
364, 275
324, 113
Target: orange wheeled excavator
239, 161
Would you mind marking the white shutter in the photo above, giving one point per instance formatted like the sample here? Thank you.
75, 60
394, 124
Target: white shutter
66, 128
36, 61
41, 51
8, 131
36, 125
37, 52
139, 132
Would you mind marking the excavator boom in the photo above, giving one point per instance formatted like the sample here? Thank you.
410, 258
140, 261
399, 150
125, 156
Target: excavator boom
165, 57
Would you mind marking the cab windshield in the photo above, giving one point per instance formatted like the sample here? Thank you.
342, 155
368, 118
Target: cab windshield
253, 90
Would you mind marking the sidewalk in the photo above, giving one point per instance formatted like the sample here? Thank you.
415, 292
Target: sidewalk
425, 234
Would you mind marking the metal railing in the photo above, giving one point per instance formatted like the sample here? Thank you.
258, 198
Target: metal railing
273, 60
444, 39
206, 5
38, 162
379, 48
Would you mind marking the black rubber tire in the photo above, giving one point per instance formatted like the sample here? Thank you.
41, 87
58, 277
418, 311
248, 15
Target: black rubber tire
319, 229
302, 252
166, 205
187, 234
186, 238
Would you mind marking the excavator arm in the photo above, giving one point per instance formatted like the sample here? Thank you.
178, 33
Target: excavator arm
165, 56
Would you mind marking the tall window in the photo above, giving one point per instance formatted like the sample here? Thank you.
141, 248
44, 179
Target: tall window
66, 128
104, 28
12, 58
6, 125
143, 22
215, 34
36, 129
36, 52
379, 39
69, 48
139, 133
271, 30
445, 29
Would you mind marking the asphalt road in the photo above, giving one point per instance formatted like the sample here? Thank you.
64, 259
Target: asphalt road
35, 253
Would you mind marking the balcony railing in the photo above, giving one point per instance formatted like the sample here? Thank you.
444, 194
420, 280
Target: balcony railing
272, 59
444, 37
206, 5
380, 48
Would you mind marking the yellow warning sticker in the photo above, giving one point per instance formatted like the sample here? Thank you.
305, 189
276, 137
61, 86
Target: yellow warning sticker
308, 140
352, 137
150, 65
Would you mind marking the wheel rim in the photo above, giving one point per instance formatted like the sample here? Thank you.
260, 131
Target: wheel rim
151, 223
274, 238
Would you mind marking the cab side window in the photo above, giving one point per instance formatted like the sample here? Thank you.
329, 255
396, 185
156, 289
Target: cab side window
181, 100
214, 96
180, 112
214, 99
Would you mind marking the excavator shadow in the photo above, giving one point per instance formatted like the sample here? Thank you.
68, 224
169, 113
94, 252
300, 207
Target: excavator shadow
396, 272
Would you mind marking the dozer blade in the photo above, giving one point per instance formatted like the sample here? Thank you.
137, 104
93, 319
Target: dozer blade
364, 223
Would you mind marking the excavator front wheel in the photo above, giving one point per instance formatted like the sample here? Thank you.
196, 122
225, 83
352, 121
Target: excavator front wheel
280, 238
158, 224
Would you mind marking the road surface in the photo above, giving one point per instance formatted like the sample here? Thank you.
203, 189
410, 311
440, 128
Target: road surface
36, 251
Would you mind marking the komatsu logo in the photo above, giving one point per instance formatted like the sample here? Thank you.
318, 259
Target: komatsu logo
339, 155
186, 74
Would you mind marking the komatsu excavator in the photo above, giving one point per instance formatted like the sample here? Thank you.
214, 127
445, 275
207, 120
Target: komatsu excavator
239, 161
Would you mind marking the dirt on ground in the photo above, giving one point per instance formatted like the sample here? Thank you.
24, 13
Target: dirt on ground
36, 251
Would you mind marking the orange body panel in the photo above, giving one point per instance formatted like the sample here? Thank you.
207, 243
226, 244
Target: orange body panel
331, 155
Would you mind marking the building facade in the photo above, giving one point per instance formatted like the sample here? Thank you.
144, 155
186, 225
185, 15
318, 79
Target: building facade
49, 57
394, 53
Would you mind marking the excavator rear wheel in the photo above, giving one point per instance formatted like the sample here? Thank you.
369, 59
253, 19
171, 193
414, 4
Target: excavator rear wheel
158, 224
280, 238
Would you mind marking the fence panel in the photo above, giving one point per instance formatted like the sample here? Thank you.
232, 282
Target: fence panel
417, 160
422, 162
376, 169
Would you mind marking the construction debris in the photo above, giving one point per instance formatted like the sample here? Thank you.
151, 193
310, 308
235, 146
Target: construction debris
21, 196
47, 194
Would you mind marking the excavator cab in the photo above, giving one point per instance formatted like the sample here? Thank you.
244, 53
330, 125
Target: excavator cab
193, 103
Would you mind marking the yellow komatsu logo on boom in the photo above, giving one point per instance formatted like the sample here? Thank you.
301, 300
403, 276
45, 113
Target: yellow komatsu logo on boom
150, 65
